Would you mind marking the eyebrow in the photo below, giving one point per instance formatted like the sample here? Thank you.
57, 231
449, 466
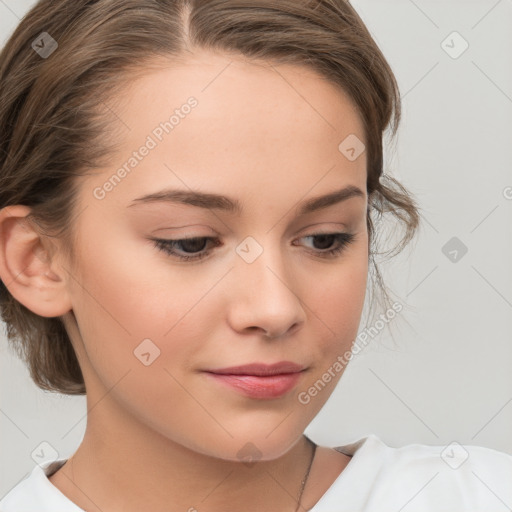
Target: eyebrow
224, 203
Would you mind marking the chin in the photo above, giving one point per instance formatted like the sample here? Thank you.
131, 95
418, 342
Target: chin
251, 447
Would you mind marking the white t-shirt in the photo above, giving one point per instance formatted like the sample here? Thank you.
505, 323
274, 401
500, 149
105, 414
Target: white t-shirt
378, 478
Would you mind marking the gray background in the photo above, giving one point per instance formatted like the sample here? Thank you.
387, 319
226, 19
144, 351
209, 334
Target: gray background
447, 378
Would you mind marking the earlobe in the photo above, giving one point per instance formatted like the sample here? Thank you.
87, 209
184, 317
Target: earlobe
26, 267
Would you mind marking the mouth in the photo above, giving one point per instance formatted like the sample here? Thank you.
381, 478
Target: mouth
258, 380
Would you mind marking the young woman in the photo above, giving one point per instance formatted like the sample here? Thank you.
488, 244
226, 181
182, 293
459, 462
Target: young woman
188, 194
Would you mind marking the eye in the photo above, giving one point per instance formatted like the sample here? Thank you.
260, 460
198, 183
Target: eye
341, 240
189, 246
195, 248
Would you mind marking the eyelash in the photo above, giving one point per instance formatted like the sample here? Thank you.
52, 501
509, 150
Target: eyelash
167, 246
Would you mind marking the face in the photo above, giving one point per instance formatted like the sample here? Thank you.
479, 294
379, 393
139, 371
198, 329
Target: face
266, 282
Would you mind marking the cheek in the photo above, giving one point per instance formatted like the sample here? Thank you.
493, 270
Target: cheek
337, 294
143, 328
133, 309
336, 301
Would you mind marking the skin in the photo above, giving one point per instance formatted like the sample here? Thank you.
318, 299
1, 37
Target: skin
164, 436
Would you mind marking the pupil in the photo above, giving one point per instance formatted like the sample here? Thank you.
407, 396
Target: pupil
193, 244
322, 238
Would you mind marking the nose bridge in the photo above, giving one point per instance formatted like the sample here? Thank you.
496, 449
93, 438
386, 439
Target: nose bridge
265, 295
263, 264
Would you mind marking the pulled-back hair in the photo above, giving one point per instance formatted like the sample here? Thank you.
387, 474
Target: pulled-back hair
54, 114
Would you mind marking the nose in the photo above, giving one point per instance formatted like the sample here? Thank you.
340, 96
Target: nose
265, 297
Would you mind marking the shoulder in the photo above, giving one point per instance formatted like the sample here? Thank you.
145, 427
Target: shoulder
459, 458
35, 493
435, 477
461, 475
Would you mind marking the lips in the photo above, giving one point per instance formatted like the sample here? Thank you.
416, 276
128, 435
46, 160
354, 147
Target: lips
260, 369
258, 380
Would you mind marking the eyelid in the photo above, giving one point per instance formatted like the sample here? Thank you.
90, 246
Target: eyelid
189, 226
327, 226
343, 240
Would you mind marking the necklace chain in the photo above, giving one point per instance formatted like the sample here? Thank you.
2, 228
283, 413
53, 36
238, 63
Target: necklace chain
306, 476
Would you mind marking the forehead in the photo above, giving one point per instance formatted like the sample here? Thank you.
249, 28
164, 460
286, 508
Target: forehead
251, 120
231, 84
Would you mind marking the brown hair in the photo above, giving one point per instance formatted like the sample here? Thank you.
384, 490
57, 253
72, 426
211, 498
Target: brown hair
54, 114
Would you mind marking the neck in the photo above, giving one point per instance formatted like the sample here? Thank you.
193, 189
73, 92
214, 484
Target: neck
122, 464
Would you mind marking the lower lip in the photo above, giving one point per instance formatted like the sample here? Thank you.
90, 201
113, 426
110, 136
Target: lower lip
264, 387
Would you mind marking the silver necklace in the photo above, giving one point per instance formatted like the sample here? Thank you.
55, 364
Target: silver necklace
305, 479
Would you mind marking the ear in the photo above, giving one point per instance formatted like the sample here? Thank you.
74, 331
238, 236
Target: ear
26, 266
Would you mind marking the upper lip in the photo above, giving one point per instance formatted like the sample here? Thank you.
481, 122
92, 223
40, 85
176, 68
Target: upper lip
281, 367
